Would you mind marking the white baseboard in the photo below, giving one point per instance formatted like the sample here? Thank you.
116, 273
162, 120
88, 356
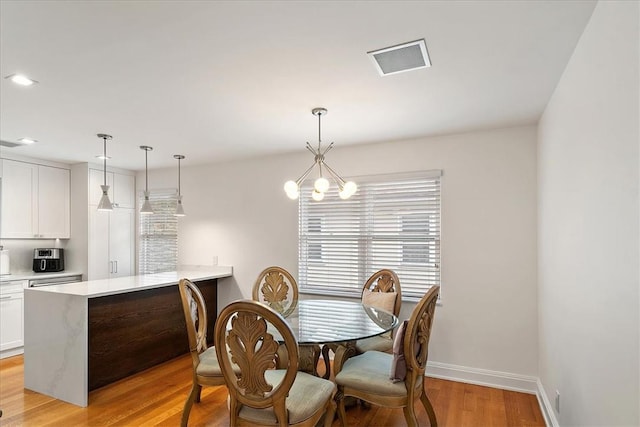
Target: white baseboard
546, 407
496, 379
484, 377
11, 352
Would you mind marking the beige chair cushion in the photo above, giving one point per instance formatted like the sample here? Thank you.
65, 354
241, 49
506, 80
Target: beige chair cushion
307, 395
209, 366
383, 300
398, 363
370, 372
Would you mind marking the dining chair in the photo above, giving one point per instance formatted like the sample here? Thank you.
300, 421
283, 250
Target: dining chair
206, 370
394, 380
277, 288
262, 394
381, 290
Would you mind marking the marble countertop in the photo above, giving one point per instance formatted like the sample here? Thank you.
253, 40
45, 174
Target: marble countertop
30, 275
120, 285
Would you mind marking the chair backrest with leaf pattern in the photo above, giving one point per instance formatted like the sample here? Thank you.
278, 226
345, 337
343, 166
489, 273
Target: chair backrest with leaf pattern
242, 339
276, 288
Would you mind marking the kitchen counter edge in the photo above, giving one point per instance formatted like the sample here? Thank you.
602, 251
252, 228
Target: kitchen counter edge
120, 285
30, 275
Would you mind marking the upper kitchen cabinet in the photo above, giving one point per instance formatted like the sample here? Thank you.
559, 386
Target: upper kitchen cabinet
122, 188
35, 201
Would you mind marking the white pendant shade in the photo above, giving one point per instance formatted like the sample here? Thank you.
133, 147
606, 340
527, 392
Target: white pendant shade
179, 209
146, 205
105, 203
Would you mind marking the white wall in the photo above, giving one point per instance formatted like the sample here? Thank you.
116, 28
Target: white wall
588, 226
240, 213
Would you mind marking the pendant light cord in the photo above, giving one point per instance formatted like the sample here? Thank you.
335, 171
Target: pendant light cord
178, 177
146, 171
319, 128
104, 159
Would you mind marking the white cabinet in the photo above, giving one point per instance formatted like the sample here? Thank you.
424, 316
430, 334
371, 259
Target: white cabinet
111, 243
122, 188
111, 234
53, 202
35, 201
11, 315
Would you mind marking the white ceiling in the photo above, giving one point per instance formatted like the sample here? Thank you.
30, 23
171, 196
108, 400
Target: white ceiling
224, 80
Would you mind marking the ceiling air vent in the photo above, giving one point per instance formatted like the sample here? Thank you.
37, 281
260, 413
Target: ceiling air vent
400, 58
9, 144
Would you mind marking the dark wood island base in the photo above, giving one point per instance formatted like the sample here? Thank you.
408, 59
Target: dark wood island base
134, 331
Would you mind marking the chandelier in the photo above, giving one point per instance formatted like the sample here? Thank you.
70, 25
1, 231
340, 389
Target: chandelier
321, 185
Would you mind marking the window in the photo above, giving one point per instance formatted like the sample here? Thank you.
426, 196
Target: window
392, 222
159, 234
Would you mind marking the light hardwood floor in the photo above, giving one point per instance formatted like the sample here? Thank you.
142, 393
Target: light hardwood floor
155, 398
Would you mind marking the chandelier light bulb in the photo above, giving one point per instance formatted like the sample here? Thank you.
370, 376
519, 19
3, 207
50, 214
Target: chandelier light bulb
348, 189
321, 185
290, 187
317, 196
292, 190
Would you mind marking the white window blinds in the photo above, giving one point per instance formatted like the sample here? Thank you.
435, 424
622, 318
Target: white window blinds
391, 222
158, 234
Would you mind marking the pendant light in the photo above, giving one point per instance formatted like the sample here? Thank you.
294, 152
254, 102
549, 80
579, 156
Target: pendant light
179, 208
321, 185
146, 206
105, 203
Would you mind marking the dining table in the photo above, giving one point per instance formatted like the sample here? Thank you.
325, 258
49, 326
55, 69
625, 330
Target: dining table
316, 322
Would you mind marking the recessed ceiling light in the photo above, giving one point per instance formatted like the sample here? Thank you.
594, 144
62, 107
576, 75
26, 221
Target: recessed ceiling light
27, 140
101, 157
400, 58
21, 80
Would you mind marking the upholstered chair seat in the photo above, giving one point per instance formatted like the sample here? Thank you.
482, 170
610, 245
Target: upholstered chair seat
307, 394
208, 366
379, 343
369, 372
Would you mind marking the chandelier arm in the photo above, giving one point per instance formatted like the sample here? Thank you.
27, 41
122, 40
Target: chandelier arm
310, 148
329, 147
305, 174
334, 175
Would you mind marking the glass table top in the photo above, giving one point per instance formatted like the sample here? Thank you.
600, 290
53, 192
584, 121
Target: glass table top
316, 321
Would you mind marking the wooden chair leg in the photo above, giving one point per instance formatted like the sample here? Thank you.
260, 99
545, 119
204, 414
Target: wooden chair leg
429, 408
331, 413
188, 404
342, 415
198, 392
410, 415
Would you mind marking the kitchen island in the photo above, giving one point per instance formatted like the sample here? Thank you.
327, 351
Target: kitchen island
82, 336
